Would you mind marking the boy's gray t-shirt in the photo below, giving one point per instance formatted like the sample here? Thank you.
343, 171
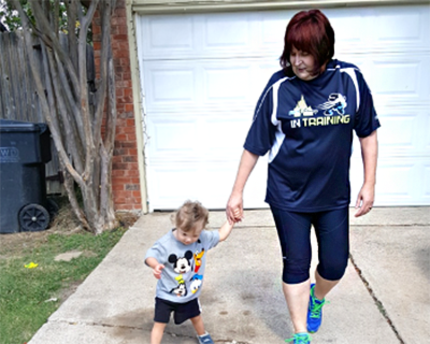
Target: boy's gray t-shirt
182, 277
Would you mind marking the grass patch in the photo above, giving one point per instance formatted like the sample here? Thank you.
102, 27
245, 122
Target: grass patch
24, 293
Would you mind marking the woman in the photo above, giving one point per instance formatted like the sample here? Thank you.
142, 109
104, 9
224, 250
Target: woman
305, 119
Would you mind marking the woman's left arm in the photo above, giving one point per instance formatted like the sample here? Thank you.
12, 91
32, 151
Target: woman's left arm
369, 154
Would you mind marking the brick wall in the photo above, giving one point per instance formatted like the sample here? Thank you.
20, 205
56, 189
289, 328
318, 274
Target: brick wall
125, 169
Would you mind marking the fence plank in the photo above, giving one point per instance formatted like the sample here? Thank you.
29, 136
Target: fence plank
6, 76
19, 100
18, 96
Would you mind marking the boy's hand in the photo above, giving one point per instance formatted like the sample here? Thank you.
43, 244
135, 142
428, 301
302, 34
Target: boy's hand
158, 270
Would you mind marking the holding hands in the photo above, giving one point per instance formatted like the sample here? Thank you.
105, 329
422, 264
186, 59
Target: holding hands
234, 210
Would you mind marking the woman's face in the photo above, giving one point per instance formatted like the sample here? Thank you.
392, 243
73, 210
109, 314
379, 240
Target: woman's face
303, 64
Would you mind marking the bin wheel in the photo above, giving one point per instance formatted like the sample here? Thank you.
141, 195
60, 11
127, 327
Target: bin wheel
33, 218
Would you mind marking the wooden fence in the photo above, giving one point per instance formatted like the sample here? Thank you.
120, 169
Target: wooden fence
18, 97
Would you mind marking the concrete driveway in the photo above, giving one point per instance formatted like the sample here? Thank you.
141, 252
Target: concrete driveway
383, 298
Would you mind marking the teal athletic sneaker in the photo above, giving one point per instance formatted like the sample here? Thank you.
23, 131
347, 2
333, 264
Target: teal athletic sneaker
205, 339
300, 338
314, 311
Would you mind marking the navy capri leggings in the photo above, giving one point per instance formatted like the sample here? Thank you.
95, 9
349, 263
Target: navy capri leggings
332, 232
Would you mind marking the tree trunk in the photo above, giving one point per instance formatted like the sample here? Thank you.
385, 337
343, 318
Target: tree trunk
64, 92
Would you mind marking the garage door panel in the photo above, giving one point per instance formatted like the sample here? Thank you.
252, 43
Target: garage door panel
387, 81
226, 31
393, 182
391, 179
171, 33
170, 136
273, 30
226, 83
402, 180
167, 84
349, 28
380, 29
225, 140
169, 190
390, 25
206, 137
401, 76
404, 134
192, 85
166, 36
397, 181
397, 133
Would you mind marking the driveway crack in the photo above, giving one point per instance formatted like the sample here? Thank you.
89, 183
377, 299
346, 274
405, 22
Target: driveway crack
378, 302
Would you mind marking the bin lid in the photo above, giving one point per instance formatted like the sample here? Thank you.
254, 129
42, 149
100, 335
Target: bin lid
8, 125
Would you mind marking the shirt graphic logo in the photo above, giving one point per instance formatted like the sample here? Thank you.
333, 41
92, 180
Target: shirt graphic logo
336, 103
334, 113
302, 109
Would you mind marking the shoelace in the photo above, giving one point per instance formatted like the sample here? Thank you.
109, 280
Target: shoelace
300, 338
316, 308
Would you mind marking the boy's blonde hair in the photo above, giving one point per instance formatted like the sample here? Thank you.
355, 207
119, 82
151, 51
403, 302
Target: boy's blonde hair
189, 214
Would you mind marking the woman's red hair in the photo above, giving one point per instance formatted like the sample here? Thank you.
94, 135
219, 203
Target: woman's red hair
311, 32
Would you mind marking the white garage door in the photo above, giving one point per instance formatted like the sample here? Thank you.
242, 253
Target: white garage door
203, 73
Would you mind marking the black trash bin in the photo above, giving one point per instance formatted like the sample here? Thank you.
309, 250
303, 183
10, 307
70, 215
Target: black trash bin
24, 150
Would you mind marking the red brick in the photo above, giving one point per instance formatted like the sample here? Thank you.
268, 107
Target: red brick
130, 159
132, 187
120, 21
120, 107
130, 122
123, 83
117, 187
132, 173
121, 137
122, 30
129, 130
119, 166
120, 12
131, 137
120, 37
120, 4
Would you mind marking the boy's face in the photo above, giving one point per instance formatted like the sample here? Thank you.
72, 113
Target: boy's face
190, 237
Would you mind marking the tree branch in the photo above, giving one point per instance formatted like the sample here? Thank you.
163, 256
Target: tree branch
41, 93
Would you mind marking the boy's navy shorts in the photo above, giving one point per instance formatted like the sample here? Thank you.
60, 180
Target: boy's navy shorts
181, 311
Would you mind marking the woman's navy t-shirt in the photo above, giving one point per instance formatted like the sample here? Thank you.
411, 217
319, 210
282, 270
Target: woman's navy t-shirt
307, 127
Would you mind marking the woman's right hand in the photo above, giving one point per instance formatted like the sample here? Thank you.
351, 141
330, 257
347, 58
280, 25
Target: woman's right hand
234, 210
